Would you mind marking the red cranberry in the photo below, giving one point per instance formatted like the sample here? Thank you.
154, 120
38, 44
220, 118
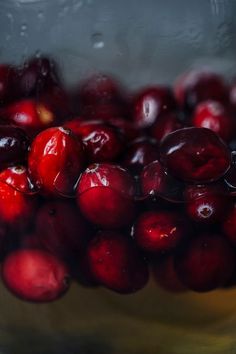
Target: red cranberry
13, 145
165, 275
104, 190
127, 128
104, 111
35, 275
153, 179
116, 263
102, 141
8, 83
18, 178
205, 262
206, 203
159, 231
140, 153
37, 75
149, 103
55, 160
213, 115
195, 155
61, 229
164, 125
197, 86
229, 225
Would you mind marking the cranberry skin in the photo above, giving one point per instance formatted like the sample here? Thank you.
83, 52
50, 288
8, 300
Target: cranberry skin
18, 178
213, 115
140, 153
153, 179
105, 195
35, 275
8, 83
149, 103
55, 161
206, 203
116, 263
229, 225
13, 145
37, 75
127, 128
195, 155
159, 231
230, 177
197, 86
61, 229
165, 275
164, 125
205, 263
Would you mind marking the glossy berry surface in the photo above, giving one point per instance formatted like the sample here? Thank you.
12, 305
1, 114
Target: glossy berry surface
35, 275
18, 178
195, 155
205, 262
153, 179
116, 263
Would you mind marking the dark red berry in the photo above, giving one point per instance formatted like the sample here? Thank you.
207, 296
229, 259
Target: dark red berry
106, 189
205, 263
153, 179
212, 115
35, 275
164, 125
127, 128
104, 111
116, 263
229, 225
195, 155
149, 103
159, 231
55, 160
8, 84
18, 178
230, 177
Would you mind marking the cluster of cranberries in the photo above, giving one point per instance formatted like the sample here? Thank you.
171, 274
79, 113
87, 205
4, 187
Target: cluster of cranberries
103, 186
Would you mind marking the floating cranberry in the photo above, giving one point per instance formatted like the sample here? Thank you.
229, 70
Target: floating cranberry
149, 103
153, 179
164, 125
106, 190
35, 275
195, 155
213, 115
205, 263
159, 231
61, 229
8, 83
140, 153
18, 178
196, 86
116, 263
165, 275
13, 145
56, 160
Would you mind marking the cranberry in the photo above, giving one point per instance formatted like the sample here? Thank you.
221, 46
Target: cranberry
55, 160
230, 177
104, 111
140, 153
195, 155
61, 229
206, 203
35, 275
8, 83
196, 86
213, 115
37, 75
102, 142
229, 225
127, 128
205, 262
149, 103
165, 275
164, 125
232, 97
13, 145
116, 263
153, 179
103, 190
159, 231
18, 178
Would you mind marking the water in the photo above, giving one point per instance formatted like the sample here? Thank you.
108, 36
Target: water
97, 40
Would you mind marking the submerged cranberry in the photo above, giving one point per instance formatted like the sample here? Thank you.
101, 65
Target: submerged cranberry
35, 275
164, 125
149, 103
153, 179
61, 229
13, 145
140, 153
212, 115
8, 83
205, 263
55, 160
159, 231
105, 195
116, 263
195, 155
196, 86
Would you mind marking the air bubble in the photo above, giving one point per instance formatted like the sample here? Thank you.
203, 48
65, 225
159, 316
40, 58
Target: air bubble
97, 41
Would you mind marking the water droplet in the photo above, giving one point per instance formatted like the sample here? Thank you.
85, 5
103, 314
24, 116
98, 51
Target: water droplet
23, 27
38, 54
97, 41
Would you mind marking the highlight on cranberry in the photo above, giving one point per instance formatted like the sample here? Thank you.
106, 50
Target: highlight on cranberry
99, 185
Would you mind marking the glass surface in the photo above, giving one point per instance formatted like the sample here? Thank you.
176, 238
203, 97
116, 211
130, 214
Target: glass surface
141, 43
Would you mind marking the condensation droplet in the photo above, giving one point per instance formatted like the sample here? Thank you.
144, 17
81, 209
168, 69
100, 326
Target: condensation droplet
97, 41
